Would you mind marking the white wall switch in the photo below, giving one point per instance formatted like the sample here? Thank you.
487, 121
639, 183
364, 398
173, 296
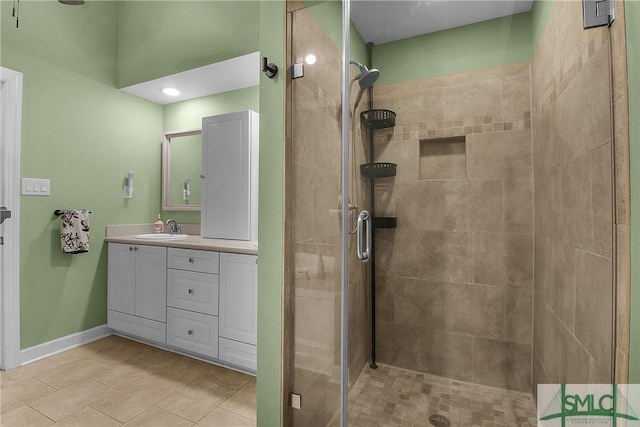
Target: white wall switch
36, 187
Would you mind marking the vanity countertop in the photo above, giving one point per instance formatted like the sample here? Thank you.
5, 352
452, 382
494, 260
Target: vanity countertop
126, 233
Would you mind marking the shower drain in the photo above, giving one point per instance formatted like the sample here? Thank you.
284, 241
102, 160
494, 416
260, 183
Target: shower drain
438, 420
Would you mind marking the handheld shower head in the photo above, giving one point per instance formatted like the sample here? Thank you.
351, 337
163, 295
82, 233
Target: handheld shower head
367, 77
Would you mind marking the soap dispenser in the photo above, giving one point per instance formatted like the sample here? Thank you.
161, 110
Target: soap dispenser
158, 226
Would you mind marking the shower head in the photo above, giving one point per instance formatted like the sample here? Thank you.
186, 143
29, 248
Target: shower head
367, 77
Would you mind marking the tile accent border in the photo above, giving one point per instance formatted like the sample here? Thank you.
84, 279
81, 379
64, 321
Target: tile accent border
471, 125
580, 57
41, 351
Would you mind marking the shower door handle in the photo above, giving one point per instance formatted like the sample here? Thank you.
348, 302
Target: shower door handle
364, 220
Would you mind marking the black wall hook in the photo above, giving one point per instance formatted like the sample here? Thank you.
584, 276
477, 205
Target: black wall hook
269, 68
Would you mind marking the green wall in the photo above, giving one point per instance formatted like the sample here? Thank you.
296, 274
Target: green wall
271, 216
158, 38
50, 31
84, 135
632, 17
486, 44
540, 13
189, 114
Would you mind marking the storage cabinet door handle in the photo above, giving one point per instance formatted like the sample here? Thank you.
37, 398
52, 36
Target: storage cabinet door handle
190, 291
130, 248
191, 260
135, 248
190, 332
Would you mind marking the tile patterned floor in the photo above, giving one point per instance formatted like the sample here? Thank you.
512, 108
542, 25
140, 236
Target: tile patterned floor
115, 381
390, 396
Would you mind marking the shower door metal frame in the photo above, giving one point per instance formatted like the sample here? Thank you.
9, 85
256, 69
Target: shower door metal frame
346, 127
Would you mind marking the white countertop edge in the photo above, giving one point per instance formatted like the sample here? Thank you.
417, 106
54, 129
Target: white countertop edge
194, 242
125, 234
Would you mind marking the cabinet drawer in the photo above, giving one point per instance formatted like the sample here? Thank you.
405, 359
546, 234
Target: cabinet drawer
137, 326
238, 353
193, 260
193, 291
192, 331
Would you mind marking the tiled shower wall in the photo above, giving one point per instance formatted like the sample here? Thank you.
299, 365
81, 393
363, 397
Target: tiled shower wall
572, 135
454, 281
313, 280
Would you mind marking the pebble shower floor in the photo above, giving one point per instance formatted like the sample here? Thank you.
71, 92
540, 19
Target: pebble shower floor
390, 396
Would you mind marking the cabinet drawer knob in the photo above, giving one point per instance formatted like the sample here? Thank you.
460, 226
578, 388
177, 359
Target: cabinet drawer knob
191, 260
190, 332
190, 291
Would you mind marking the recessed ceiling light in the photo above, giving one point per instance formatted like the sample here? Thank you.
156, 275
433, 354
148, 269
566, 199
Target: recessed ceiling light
171, 91
310, 59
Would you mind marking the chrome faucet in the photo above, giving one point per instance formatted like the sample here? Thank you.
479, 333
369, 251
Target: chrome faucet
174, 227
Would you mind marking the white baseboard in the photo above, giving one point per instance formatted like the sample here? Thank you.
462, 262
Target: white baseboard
40, 351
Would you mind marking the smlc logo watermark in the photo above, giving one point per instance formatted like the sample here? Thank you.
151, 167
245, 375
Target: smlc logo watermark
562, 405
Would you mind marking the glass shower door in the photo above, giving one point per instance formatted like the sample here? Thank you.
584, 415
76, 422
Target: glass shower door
314, 223
314, 226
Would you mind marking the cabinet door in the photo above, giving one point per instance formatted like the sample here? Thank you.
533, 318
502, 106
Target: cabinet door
151, 283
239, 297
121, 278
229, 149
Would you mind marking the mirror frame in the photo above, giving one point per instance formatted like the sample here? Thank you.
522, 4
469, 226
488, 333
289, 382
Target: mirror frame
166, 174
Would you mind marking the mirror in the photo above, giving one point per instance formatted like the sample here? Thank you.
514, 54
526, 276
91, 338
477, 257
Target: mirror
181, 169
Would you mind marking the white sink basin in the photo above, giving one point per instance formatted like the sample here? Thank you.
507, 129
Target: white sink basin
160, 236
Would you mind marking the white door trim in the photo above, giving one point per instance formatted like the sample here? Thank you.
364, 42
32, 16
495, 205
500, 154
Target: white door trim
10, 178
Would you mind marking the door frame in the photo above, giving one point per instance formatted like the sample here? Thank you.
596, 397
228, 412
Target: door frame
10, 261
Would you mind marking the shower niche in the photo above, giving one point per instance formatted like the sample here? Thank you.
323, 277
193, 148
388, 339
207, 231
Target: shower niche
443, 158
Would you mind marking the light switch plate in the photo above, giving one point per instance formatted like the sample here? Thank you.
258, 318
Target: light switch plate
36, 187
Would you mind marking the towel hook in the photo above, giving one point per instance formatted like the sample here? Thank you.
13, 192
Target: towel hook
269, 68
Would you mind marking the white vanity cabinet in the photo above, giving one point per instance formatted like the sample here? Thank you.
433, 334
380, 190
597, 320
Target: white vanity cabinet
137, 284
198, 301
238, 309
229, 205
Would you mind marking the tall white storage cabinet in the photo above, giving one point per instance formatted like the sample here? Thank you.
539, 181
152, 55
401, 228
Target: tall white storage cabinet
230, 176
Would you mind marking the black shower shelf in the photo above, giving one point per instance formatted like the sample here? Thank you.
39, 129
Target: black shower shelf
378, 119
378, 170
385, 222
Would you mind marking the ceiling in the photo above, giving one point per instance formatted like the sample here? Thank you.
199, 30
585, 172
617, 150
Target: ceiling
235, 73
382, 21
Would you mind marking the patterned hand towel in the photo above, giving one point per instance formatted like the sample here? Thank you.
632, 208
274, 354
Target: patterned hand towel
74, 231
